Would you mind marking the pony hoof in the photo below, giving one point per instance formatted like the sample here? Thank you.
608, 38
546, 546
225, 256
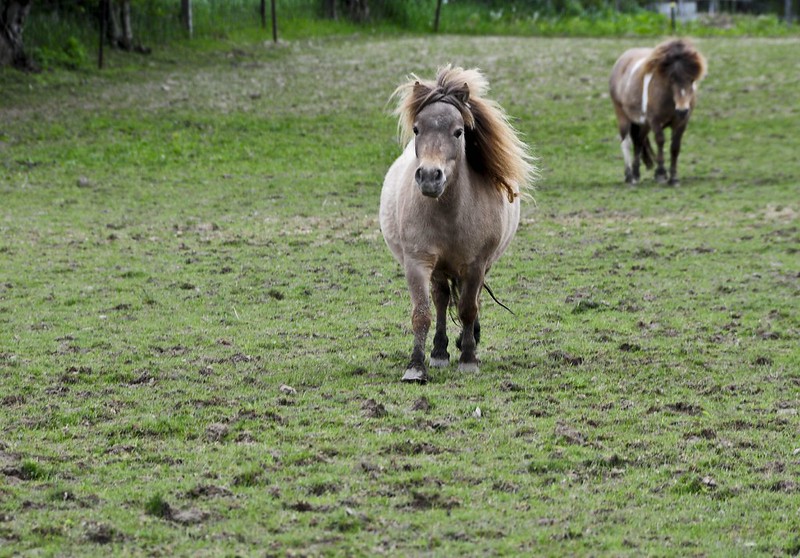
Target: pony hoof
661, 178
674, 182
439, 362
629, 179
467, 366
416, 375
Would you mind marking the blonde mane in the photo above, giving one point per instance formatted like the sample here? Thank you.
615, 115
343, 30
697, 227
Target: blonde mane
493, 146
676, 59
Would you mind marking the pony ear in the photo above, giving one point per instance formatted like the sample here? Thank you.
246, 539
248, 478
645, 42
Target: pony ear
462, 93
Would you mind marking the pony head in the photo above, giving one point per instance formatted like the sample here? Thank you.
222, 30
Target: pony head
678, 63
449, 118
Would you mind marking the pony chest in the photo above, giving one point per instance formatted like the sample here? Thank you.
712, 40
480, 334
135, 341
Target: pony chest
451, 239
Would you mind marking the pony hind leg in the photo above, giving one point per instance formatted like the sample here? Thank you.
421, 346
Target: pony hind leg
626, 143
476, 332
441, 301
627, 146
468, 313
661, 172
638, 136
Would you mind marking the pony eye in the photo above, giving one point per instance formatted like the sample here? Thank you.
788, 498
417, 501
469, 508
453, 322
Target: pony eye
458, 133
415, 130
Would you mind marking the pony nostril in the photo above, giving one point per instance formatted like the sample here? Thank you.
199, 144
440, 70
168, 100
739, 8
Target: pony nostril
437, 175
418, 175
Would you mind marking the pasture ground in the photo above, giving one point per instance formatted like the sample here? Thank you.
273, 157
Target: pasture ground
185, 234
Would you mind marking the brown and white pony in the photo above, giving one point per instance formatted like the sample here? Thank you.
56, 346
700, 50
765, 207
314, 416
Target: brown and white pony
654, 89
450, 204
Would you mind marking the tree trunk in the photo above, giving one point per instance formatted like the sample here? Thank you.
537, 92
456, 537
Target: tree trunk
436, 18
120, 28
13, 14
186, 17
329, 9
357, 10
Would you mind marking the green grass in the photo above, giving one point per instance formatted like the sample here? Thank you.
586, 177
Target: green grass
184, 235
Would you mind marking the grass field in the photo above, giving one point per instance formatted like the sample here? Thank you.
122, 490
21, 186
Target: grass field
202, 332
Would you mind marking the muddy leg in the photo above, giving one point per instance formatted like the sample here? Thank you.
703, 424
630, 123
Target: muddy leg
418, 278
441, 300
674, 151
468, 313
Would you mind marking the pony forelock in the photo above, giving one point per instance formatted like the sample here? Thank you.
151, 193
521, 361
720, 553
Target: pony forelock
493, 146
676, 59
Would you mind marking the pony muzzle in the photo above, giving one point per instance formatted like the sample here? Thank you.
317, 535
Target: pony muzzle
430, 181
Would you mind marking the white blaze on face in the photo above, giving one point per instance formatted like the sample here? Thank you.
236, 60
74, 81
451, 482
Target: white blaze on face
684, 100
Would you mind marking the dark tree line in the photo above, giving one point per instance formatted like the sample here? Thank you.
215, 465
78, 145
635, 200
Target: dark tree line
13, 14
116, 30
114, 17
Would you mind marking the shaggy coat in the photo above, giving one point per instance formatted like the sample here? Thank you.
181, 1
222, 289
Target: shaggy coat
450, 204
654, 89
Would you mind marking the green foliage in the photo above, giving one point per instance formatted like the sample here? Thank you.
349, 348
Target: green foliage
33, 470
157, 506
63, 37
72, 55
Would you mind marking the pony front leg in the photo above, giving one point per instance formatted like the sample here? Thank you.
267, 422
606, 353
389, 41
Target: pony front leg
675, 150
661, 172
418, 279
441, 300
468, 314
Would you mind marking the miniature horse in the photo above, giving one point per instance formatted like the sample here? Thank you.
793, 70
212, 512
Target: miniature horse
653, 89
450, 204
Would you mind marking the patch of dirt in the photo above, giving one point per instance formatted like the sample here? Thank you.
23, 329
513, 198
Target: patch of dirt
371, 468
684, 408
373, 409
100, 533
421, 404
144, 378
585, 306
208, 491
508, 385
564, 356
324, 488
505, 486
422, 501
784, 485
189, 517
216, 432
569, 434
413, 448
303, 506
